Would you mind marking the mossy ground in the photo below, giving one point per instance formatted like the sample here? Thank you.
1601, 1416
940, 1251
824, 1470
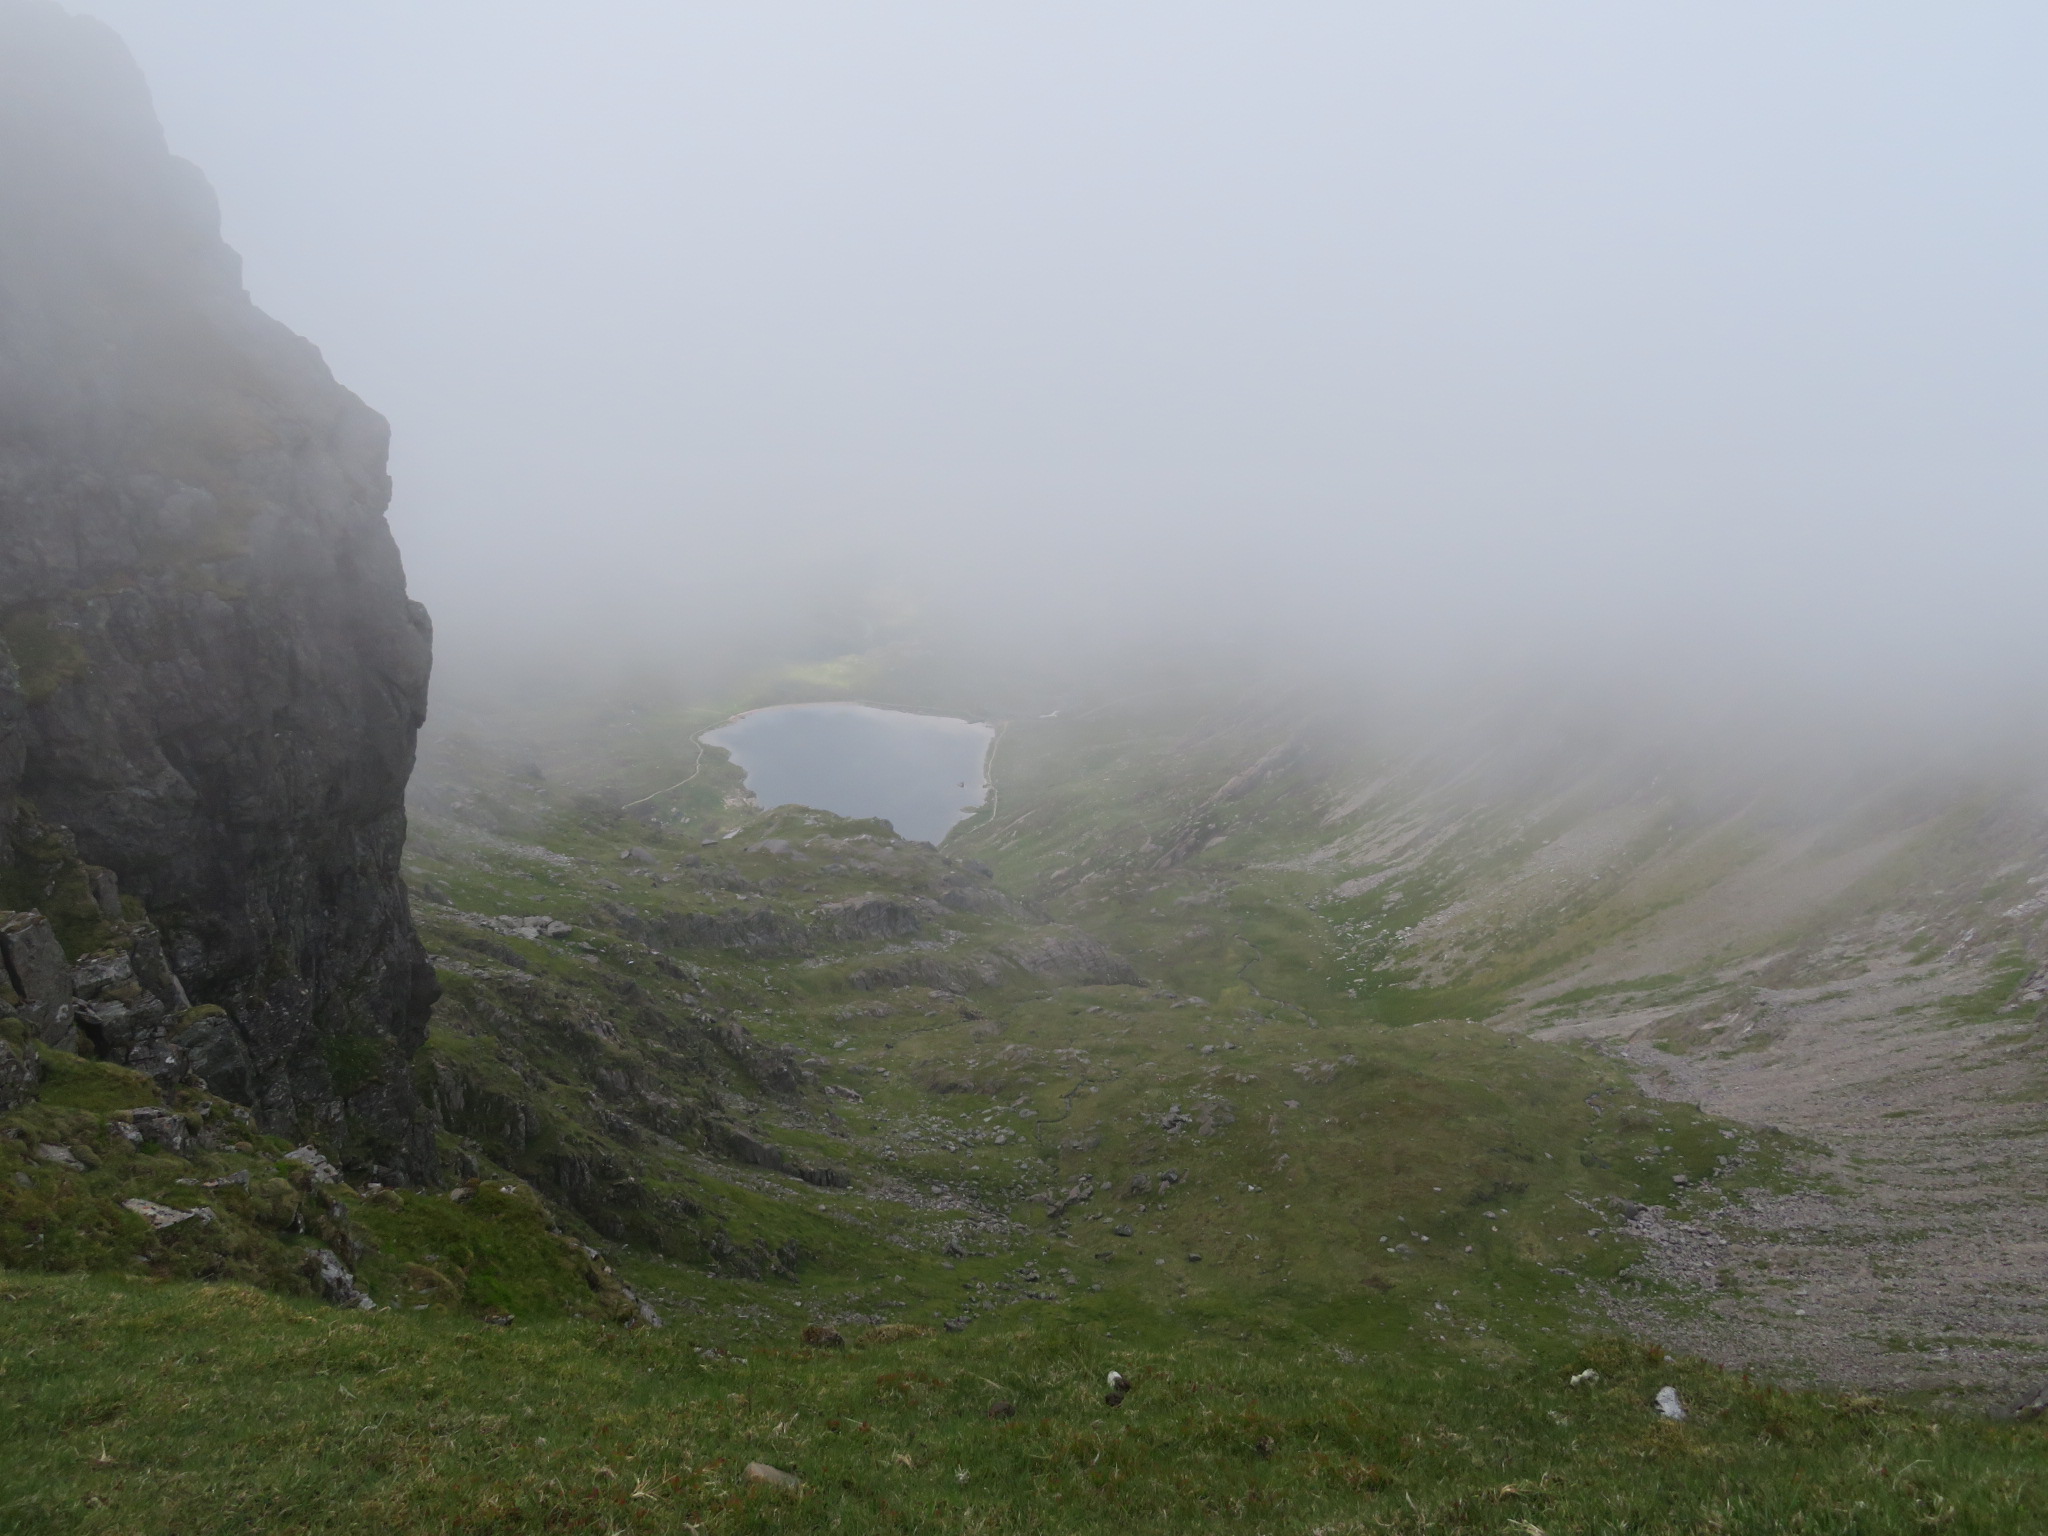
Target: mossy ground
174, 1408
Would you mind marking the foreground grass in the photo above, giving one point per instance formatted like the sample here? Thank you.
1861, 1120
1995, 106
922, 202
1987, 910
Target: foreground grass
181, 1408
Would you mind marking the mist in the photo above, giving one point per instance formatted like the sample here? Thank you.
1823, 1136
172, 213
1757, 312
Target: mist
1690, 354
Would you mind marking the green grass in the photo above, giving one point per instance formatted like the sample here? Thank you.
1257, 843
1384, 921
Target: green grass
1353, 1306
176, 1408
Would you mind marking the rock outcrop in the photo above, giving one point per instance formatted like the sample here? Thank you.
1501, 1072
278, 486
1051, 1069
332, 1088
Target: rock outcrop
210, 673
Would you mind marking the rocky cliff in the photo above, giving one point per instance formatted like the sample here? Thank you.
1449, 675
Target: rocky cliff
210, 673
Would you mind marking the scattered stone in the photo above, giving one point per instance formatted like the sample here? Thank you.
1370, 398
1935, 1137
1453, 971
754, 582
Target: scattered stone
2030, 1407
498, 1319
1668, 1403
636, 856
63, 1157
161, 1216
774, 1477
326, 1270
322, 1170
1194, 1258
538, 926
847, 1094
956, 1325
166, 1127
1083, 1189
1003, 1410
460, 1193
818, 1336
1585, 1378
1123, 1231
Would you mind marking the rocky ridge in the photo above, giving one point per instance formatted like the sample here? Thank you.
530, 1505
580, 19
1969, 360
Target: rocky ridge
210, 673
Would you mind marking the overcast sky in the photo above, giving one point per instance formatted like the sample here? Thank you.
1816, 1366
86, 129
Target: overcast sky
1696, 335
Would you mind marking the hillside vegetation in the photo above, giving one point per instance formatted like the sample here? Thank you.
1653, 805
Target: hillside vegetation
1179, 1060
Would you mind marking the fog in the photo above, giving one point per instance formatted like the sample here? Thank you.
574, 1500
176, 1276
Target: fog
1693, 351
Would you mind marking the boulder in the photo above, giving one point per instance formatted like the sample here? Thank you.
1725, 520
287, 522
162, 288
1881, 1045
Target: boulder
166, 1127
40, 976
322, 1170
166, 1215
335, 1282
20, 1071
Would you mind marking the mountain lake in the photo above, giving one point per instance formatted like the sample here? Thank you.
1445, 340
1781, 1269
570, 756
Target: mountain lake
920, 773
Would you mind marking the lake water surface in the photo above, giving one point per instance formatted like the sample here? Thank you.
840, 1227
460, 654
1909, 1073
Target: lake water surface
921, 773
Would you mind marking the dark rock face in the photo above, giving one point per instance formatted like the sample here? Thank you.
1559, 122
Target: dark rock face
210, 673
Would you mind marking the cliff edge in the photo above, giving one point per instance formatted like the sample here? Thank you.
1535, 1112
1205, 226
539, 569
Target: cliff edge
210, 673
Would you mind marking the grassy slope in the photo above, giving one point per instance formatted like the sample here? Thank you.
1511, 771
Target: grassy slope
1401, 1380
225, 1409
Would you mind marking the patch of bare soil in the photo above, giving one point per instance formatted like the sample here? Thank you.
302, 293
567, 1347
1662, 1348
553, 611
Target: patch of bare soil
1917, 1256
